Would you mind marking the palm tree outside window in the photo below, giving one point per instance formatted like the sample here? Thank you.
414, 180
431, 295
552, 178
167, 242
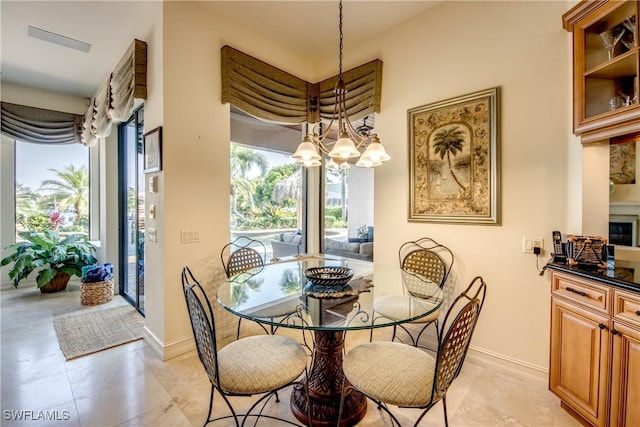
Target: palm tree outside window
52, 187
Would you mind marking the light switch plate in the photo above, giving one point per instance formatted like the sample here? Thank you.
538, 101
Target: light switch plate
189, 236
153, 235
153, 184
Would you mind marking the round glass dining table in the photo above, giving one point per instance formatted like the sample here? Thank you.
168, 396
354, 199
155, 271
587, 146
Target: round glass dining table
279, 295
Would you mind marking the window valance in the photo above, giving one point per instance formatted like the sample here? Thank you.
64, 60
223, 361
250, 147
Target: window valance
37, 125
115, 100
269, 93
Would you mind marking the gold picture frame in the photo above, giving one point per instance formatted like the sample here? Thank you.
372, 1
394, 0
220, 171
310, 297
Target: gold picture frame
153, 150
454, 159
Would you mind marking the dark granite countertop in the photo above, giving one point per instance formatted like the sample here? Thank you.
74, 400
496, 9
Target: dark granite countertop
626, 274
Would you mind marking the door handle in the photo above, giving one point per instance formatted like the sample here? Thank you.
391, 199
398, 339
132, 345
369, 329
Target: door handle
575, 291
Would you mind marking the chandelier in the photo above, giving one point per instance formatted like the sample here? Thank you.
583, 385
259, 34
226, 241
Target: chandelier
350, 139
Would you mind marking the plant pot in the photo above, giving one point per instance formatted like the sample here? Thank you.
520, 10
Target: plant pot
58, 283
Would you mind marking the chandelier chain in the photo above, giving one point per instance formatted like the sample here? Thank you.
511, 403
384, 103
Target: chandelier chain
341, 37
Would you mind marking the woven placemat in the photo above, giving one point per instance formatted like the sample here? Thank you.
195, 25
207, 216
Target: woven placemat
87, 333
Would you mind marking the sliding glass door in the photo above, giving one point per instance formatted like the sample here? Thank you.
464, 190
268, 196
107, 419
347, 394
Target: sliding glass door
131, 209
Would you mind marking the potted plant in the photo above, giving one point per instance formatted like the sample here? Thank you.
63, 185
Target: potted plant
363, 233
59, 258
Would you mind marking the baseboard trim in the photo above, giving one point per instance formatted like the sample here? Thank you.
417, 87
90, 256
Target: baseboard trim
177, 348
169, 351
504, 363
483, 357
152, 341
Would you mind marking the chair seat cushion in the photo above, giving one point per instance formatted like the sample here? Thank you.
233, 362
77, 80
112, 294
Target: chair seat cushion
260, 363
403, 307
395, 373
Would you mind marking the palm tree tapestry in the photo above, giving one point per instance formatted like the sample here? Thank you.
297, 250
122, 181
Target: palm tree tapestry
454, 159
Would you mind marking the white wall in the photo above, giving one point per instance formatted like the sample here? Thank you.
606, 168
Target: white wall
361, 196
457, 48
25, 95
7, 208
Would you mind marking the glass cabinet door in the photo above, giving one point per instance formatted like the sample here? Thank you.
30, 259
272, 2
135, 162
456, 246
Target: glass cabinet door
605, 65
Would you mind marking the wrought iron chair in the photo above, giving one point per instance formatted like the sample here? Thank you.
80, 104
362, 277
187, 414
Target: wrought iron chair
260, 364
240, 255
429, 259
416, 379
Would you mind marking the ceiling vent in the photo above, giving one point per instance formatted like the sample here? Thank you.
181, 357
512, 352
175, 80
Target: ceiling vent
41, 34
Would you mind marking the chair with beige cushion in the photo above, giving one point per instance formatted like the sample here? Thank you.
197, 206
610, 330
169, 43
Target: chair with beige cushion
391, 373
429, 259
260, 364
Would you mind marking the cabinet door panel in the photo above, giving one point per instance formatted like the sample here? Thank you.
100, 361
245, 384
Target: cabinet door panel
625, 390
580, 359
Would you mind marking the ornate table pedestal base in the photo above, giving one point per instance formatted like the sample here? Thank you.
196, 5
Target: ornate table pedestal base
324, 381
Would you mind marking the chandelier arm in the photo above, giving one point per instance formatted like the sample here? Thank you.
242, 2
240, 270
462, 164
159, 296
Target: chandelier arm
336, 112
358, 139
320, 139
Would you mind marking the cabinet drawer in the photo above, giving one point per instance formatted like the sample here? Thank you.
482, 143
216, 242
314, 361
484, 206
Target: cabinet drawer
626, 307
582, 291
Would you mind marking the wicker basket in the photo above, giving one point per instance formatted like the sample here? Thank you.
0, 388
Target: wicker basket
587, 251
96, 293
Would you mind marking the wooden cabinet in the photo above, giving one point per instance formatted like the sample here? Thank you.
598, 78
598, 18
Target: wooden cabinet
595, 350
579, 351
625, 369
605, 78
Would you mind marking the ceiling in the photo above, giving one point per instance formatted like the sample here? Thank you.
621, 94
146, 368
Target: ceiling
301, 26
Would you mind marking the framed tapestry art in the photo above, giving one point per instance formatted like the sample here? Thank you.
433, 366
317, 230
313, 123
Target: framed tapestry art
454, 160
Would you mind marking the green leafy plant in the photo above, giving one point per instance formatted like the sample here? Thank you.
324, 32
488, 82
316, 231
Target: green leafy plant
37, 222
362, 231
51, 252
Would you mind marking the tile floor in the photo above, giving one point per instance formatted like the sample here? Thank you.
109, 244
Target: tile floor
130, 386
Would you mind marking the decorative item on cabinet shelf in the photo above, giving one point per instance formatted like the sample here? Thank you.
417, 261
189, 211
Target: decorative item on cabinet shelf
588, 252
610, 39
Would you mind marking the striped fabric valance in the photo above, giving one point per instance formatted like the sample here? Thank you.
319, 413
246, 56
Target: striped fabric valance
100, 118
37, 125
269, 93
115, 100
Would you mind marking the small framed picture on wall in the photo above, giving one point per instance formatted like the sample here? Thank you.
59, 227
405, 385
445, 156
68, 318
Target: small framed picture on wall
153, 150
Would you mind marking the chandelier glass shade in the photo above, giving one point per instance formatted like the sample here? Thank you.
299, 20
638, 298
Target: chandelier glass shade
351, 140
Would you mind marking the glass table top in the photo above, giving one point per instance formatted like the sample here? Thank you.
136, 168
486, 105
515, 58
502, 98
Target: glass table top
277, 294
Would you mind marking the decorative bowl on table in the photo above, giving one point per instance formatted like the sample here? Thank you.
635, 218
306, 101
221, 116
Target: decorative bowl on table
328, 276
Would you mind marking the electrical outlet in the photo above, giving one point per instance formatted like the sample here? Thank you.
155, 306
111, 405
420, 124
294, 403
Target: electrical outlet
538, 243
528, 243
